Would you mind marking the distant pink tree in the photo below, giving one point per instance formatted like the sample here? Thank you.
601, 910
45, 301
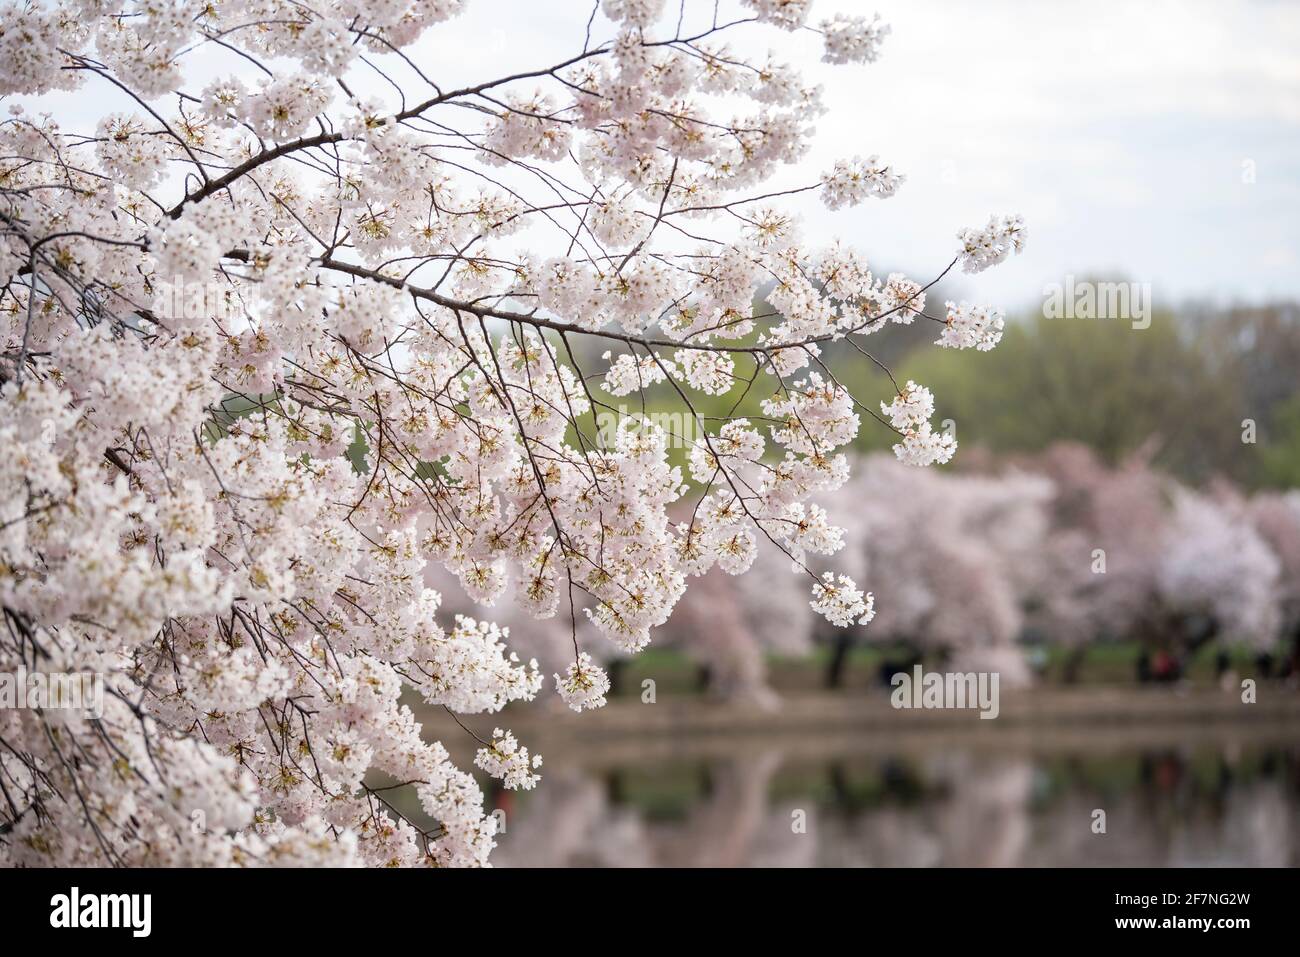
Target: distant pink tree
1215, 564
1097, 576
1276, 519
951, 549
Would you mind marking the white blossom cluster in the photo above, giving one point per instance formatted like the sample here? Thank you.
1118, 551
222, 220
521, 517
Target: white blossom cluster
853, 39
852, 181
281, 345
910, 413
504, 758
841, 602
584, 684
982, 248
971, 327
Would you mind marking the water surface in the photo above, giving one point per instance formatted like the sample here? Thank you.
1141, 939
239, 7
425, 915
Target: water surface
1189, 797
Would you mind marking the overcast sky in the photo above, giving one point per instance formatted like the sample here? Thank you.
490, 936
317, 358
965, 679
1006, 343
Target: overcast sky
1119, 129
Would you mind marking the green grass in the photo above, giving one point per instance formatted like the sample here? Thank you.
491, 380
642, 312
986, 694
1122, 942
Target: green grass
1114, 663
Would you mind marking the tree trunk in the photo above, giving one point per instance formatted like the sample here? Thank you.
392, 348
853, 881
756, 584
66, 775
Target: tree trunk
839, 659
1074, 664
617, 672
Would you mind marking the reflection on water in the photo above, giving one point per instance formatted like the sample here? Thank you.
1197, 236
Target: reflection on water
1189, 803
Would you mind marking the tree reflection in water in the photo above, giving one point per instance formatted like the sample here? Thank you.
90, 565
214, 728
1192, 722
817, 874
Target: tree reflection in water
1191, 804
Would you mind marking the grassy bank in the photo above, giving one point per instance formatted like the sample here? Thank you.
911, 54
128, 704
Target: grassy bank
1103, 663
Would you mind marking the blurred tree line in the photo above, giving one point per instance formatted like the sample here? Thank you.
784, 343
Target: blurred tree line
1191, 383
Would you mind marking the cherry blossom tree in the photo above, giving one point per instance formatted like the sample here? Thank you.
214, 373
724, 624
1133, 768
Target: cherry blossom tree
288, 320
1134, 554
955, 554
1276, 519
951, 548
1215, 564
1095, 577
